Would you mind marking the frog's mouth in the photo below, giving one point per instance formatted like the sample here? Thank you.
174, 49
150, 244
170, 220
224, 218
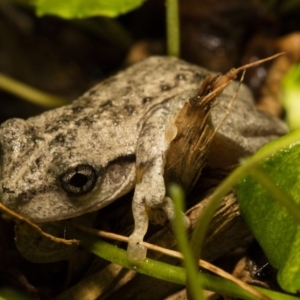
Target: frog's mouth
46, 208
54, 204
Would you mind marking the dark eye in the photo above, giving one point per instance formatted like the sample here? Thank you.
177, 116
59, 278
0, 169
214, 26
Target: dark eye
79, 180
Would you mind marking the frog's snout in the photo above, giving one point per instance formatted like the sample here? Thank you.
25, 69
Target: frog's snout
13, 135
13, 141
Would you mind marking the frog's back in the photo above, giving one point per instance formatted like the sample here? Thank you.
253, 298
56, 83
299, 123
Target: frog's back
108, 116
132, 92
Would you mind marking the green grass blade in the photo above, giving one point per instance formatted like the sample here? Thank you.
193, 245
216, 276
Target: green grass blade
193, 287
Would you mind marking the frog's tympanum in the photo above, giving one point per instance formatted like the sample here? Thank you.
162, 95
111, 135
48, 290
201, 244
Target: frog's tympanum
81, 157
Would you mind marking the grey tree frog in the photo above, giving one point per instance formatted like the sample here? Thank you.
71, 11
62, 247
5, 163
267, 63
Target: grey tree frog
81, 157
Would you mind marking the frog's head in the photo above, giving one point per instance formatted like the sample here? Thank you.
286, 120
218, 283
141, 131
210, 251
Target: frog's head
48, 176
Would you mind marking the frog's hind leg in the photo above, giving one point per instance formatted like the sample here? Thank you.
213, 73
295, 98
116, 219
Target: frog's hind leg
150, 187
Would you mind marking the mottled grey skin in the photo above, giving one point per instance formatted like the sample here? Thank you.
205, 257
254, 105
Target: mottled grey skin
116, 128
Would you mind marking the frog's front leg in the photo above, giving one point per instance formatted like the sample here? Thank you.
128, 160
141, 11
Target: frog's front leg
150, 187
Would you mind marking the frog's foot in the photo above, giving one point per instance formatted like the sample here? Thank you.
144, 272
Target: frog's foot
168, 207
136, 251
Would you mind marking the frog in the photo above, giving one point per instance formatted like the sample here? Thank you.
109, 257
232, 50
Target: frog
79, 158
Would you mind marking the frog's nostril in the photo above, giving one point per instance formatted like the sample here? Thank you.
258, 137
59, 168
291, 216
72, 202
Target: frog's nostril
6, 190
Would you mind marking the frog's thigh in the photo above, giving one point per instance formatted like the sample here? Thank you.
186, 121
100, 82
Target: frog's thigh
150, 186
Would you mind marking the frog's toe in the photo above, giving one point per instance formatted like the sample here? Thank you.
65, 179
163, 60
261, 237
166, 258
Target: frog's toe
186, 221
136, 251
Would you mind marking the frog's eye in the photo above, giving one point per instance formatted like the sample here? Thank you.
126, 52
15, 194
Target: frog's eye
79, 180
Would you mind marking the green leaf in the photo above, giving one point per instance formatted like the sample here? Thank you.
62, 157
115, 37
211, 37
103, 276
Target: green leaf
273, 226
290, 97
85, 8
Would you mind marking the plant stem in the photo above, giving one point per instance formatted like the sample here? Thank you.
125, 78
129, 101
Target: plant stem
173, 34
168, 272
30, 94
